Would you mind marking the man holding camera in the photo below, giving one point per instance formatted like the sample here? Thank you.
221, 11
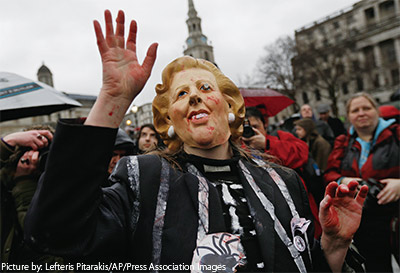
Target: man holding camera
291, 151
22, 159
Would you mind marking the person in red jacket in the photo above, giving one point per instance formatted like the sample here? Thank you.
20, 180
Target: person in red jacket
370, 153
291, 151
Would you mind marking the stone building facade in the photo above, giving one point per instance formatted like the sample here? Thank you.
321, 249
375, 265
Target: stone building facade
361, 52
137, 117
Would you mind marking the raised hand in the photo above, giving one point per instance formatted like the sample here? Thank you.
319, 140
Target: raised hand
123, 76
36, 139
257, 141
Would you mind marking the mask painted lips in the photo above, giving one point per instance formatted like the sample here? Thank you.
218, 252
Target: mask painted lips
197, 115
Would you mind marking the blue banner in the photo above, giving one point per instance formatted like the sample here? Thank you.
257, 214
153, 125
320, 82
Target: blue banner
18, 89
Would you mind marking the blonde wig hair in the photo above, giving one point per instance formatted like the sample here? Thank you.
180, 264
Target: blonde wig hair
161, 102
358, 95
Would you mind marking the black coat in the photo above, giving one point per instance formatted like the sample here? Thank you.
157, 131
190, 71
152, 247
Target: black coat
72, 216
337, 126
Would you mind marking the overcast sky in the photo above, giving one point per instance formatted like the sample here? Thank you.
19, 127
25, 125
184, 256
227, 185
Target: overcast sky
60, 34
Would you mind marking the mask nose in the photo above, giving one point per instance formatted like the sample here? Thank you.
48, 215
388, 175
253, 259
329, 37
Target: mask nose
194, 99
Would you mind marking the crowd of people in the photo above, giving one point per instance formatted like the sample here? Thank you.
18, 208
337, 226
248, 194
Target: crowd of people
22, 157
191, 189
367, 152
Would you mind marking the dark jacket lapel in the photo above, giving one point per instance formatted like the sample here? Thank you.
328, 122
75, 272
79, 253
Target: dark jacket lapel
263, 221
216, 219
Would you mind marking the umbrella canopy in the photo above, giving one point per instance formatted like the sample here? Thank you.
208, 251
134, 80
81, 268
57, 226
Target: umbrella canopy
268, 101
21, 97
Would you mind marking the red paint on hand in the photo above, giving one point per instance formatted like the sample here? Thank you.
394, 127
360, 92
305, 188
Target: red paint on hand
112, 110
340, 210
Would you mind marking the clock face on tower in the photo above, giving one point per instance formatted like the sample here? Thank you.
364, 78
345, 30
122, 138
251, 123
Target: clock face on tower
203, 39
189, 41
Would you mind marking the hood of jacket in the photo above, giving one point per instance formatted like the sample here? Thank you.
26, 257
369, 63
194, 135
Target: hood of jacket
124, 142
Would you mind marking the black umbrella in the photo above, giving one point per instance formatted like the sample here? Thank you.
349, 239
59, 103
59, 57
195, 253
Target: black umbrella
21, 97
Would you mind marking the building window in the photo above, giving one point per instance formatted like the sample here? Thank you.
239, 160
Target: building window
376, 81
314, 77
345, 89
194, 26
327, 72
350, 19
369, 14
386, 9
369, 57
336, 25
339, 69
395, 76
356, 65
317, 95
360, 84
305, 97
353, 31
388, 51
206, 55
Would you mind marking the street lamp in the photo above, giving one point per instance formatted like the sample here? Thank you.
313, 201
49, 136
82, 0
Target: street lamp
134, 109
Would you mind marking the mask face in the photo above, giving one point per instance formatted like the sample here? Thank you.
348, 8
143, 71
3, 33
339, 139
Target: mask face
198, 110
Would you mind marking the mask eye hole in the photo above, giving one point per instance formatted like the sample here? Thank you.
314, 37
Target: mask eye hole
182, 93
205, 87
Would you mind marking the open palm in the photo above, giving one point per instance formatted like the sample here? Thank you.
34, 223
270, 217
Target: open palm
123, 76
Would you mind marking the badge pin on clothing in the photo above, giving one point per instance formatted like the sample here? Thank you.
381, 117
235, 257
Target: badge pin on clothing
218, 249
299, 243
299, 227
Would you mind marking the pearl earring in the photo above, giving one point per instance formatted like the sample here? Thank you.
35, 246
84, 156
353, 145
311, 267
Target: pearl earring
231, 118
171, 131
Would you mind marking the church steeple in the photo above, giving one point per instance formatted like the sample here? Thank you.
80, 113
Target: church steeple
44, 75
192, 11
197, 44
